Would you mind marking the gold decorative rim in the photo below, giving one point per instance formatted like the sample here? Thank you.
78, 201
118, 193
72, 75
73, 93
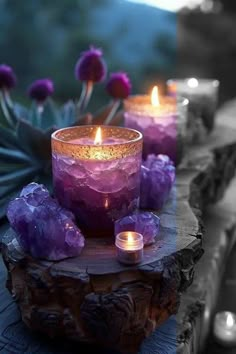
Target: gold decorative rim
142, 104
61, 143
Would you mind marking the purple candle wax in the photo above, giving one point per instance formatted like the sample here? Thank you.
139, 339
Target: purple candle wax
98, 181
163, 126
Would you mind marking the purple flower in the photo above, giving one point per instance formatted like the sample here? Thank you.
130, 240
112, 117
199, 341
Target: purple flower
91, 66
119, 85
7, 77
41, 89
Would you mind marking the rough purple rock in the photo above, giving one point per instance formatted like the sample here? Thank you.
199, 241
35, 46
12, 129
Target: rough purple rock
145, 223
118, 85
157, 178
43, 228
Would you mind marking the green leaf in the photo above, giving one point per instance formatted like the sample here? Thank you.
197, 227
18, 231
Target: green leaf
4, 120
21, 111
50, 115
33, 116
35, 141
8, 138
7, 167
5, 201
68, 114
19, 176
45, 116
13, 155
5, 191
11, 113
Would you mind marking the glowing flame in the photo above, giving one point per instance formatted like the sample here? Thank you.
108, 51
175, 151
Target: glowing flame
155, 97
98, 137
230, 320
193, 83
106, 203
130, 239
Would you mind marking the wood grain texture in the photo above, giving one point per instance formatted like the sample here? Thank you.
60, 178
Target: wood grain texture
104, 302
16, 338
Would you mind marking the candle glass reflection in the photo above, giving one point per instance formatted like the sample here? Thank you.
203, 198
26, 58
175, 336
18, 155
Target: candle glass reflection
225, 328
163, 125
203, 100
129, 245
99, 181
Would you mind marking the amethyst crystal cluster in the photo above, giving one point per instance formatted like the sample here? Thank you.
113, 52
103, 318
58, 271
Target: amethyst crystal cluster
157, 178
144, 223
43, 228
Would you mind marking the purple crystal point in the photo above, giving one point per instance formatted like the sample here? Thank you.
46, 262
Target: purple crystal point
43, 228
157, 178
145, 223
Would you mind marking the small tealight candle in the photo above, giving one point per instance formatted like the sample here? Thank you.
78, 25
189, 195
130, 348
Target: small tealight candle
161, 119
129, 245
225, 328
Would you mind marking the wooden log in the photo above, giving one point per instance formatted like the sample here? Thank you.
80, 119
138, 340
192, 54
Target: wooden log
94, 298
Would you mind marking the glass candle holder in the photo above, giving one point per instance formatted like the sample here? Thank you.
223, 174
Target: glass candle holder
203, 100
97, 177
224, 328
129, 246
163, 126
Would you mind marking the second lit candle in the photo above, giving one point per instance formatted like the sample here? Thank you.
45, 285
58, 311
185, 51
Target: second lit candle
161, 120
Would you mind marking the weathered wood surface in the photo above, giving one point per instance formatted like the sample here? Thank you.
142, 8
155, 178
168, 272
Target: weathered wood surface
62, 300
197, 304
16, 338
152, 288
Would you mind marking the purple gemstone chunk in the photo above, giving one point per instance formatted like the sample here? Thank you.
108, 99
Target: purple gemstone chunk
157, 179
145, 223
43, 228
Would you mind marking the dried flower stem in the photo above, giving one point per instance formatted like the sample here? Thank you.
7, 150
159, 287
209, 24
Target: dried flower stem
112, 112
85, 96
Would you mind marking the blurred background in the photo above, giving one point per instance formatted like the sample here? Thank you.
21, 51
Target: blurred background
148, 39
42, 39
152, 40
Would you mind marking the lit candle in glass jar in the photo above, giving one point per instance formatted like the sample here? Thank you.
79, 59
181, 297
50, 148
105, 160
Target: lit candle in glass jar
162, 121
129, 245
225, 328
96, 174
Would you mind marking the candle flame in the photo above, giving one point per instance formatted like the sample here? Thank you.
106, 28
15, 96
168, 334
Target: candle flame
98, 137
229, 320
193, 83
155, 97
106, 203
130, 238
